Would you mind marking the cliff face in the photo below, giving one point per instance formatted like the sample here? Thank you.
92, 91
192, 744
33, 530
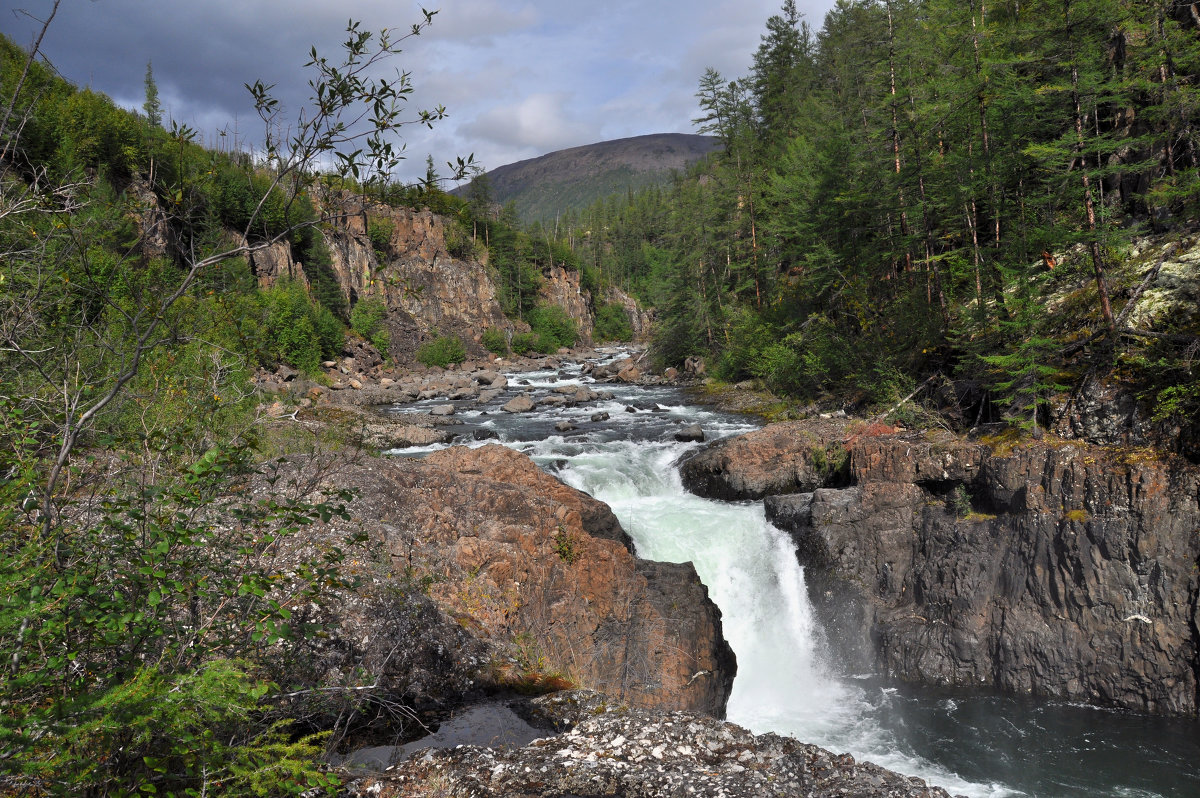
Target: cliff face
542, 571
561, 287
1066, 570
426, 290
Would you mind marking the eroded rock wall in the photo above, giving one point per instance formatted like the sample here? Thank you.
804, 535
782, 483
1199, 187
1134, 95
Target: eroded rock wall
1061, 570
427, 291
544, 572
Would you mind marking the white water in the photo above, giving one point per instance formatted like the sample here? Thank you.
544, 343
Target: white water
752, 574
783, 685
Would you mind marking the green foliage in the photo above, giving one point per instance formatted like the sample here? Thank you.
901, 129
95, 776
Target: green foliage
442, 351
566, 547
367, 319
495, 341
135, 624
296, 330
552, 324
959, 502
531, 343
612, 323
379, 232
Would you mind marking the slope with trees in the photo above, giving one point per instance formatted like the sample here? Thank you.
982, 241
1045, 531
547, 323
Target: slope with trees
905, 192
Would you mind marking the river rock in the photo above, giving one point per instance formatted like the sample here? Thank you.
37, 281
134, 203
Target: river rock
564, 426
690, 434
519, 404
442, 410
607, 749
779, 458
1057, 570
521, 556
597, 417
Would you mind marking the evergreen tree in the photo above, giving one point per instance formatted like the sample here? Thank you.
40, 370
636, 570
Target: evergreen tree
152, 107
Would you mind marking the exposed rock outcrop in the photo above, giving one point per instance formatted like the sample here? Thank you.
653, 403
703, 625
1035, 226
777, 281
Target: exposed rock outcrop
563, 288
424, 287
614, 750
545, 572
779, 458
1060, 570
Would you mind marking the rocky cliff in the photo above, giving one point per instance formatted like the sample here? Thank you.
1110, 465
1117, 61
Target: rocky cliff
543, 575
1060, 569
427, 291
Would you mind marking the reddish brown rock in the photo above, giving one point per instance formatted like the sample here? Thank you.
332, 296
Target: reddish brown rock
515, 556
789, 457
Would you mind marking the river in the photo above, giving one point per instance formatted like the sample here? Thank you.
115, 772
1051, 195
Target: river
973, 744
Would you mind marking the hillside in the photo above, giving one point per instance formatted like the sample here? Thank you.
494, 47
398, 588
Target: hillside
574, 178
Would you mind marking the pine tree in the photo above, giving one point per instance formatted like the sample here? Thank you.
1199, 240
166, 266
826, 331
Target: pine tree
152, 107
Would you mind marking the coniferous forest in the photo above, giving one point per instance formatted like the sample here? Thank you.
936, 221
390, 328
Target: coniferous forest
926, 188
957, 201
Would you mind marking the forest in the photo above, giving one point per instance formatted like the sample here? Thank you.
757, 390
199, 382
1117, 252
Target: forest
151, 633
907, 192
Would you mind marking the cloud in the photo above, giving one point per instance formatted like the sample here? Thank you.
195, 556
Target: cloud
518, 77
539, 122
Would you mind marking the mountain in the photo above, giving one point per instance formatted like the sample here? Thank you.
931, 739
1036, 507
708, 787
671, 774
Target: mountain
574, 178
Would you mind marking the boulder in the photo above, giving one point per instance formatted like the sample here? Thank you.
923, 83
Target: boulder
442, 410
690, 434
518, 555
787, 457
519, 404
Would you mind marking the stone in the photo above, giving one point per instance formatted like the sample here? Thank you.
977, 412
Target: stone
442, 410
519, 404
690, 434
787, 457
1029, 571
564, 426
597, 417
592, 747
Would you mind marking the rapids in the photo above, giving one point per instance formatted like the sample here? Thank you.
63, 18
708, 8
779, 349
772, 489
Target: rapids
975, 744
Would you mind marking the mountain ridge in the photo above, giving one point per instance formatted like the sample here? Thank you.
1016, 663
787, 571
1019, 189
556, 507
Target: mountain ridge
573, 178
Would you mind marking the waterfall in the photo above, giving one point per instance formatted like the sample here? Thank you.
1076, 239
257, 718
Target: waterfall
972, 744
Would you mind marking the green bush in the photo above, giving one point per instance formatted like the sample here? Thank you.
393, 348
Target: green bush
142, 629
380, 231
442, 351
531, 342
298, 331
552, 324
495, 341
612, 323
366, 319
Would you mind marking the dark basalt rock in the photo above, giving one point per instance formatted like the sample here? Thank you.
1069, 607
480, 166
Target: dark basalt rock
1066, 571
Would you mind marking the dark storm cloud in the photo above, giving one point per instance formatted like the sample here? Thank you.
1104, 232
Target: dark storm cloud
518, 78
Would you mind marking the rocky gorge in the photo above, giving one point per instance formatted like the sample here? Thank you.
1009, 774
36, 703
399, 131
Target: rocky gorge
1055, 568
909, 542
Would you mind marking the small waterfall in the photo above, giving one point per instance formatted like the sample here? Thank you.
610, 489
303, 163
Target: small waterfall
971, 744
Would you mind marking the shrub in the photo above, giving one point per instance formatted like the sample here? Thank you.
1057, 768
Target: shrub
495, 341
531, 342
553, 324
612, 323
442, 351
298, 331
379, 231
366, 319
141, 627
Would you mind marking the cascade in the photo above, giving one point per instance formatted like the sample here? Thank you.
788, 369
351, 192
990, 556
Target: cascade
976, 745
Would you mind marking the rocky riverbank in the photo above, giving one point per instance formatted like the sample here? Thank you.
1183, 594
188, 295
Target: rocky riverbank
1057, 568
594, 747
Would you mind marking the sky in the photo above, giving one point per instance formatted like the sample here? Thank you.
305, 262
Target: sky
518, 78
